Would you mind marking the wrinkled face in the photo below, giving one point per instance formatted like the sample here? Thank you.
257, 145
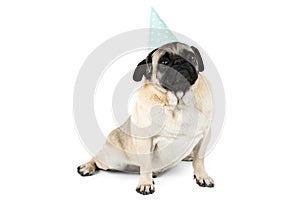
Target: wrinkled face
174, 66
177, 72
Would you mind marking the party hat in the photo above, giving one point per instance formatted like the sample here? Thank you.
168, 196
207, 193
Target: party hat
159, 32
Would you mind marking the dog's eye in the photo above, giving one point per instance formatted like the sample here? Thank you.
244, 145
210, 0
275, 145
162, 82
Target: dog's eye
192, 59
164, 61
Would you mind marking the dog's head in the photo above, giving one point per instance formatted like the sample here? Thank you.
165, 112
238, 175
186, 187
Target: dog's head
173, 66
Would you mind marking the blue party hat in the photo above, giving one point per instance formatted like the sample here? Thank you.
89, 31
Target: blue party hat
159, 32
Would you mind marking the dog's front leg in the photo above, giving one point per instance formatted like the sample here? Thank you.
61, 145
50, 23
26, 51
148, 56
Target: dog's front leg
144, 154
200, 173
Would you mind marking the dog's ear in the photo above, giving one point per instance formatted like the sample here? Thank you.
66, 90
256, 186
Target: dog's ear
199, 59
144, 68
139, 71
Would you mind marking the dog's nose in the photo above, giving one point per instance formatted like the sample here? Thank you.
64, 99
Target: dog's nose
179, 61
184, 72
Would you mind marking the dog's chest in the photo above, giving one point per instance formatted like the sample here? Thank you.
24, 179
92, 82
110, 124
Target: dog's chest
182, 118
183, 127
181, 122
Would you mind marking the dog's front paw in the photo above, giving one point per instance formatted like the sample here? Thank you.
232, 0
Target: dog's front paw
87, 169
204, 181
145, 189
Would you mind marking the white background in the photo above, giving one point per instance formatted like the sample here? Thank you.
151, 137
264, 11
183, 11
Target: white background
254, 44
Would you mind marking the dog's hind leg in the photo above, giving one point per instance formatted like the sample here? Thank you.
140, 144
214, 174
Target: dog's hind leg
111, 155
91, 167
200, 173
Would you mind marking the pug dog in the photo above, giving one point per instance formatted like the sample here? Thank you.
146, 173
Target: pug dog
171, 120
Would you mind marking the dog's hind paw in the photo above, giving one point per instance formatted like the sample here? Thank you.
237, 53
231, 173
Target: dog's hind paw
87, 169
